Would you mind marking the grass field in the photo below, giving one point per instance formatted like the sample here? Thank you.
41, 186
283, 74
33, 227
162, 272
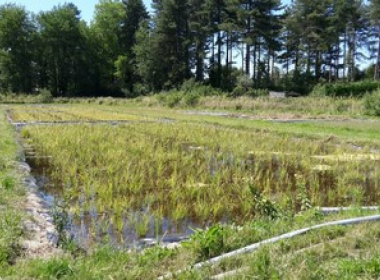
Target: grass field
245, 174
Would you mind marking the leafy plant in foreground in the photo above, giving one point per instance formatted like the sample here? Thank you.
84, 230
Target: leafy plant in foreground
208, 243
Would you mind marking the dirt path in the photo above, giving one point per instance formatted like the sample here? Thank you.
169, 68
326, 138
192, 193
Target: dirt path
40, 240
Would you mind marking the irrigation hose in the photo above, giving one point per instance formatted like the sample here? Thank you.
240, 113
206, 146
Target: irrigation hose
256, 246
332, 210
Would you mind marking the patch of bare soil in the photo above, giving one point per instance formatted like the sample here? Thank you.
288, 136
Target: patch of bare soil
41, 237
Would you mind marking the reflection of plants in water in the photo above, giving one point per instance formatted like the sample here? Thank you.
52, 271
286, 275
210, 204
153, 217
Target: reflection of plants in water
140, 222
61, 221
142, 225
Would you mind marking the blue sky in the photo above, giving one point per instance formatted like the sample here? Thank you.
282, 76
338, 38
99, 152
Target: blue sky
85, 6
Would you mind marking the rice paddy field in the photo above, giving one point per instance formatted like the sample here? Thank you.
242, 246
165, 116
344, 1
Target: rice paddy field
142, 179
128, 174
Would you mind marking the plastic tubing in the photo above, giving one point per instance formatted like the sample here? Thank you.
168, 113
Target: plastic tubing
256, 246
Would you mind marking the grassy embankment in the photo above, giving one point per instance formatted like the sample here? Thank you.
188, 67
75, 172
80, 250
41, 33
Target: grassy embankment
11, 196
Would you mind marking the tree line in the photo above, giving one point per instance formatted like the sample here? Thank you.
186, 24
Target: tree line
126, 51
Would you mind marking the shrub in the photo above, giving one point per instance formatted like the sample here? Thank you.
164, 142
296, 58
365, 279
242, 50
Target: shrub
238, 91
372, 104
208, 243
203, 90
140, 89
251, 92
191, 99
170, 98
45, 96
189, 85
355, 89
244, 81
173, 99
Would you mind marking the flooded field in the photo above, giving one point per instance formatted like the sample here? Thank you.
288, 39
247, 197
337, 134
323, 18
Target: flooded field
143, 182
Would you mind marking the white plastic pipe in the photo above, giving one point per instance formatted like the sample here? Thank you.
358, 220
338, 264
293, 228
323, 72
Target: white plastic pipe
254, 247
331, 210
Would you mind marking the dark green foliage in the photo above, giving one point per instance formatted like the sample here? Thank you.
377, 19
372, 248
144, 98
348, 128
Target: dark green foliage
372, 104
191, 99
127, 52
209, 243
45, 96
17, 33
8, 183
173, 98
262, 206
357, 89
63, 43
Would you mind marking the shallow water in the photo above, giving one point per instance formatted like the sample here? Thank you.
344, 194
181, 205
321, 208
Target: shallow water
89, 228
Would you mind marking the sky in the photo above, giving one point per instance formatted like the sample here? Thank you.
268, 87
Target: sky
85, 6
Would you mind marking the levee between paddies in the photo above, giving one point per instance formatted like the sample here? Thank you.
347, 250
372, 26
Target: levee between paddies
141, 180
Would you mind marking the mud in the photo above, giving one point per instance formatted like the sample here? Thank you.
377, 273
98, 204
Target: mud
41, 235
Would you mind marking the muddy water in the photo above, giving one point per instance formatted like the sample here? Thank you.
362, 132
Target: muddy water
90, 227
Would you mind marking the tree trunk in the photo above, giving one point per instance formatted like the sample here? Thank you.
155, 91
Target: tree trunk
248, 47
376, 75
199, 62
254, 64
345, 56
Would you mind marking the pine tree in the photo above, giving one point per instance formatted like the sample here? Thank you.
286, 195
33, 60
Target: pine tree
375, 17
171, 43
135, 13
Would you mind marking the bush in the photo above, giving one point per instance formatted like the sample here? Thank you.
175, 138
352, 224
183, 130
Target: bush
170, 98
189, 85
238, 91
244, 81
173, 99
208, 243
191, 99
372, 104
45, 96
140, 89
203, 90
251, 92
356, 89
